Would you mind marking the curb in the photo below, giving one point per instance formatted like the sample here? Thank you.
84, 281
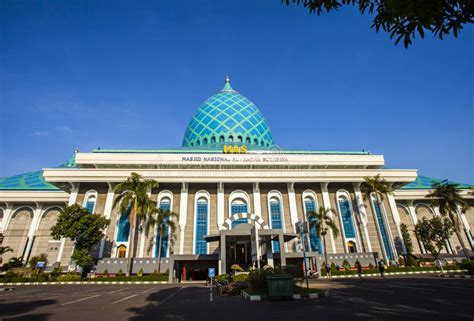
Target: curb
85, 283
394, 273
456, 276
295, 296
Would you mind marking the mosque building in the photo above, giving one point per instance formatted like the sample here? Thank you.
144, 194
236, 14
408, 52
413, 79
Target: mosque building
238, 198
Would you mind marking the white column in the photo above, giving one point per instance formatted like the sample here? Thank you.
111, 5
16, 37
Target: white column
467, 228
220, 205
141, 248
72, 201
107, 213
31, 232
6, 217
183, 212
293, 208
362, 214
396, 219
257, 205
327, 205
412, 212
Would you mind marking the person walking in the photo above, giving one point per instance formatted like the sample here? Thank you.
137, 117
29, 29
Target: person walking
382, 270
359, 271
328, 271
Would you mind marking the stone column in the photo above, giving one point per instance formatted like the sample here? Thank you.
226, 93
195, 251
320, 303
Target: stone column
327, 205
31, 232
362, 214
6, 217
220, 205
293, 210
268, 246
222, 254
282, 249
257, 206
107, 213
183, 211
396, 219
72, 201
412, 212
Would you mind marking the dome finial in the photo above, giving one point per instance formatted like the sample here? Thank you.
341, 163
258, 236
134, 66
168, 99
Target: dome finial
227, 86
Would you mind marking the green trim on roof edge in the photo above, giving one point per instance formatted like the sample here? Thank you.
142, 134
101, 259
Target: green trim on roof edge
425, 182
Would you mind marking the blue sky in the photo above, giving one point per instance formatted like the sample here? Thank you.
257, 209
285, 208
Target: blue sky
131, 74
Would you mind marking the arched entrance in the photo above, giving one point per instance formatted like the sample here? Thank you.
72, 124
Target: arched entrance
122, 251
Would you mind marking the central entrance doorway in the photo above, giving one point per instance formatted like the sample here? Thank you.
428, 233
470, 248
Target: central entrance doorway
238, 250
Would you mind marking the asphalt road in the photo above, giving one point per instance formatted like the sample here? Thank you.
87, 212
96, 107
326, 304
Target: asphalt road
397, 299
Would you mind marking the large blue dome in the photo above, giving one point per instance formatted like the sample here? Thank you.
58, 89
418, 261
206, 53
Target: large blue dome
228, 117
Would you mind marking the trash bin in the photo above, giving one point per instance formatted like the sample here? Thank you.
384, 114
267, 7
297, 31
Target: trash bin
280, 285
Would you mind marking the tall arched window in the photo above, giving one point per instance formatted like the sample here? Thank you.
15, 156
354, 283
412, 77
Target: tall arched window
239, 139
202, 214
382, 228
213, 139
238, 206
347, 219
204, 141
276, 219
123, 226
314, 240
221, 139
90, 199
164, 205
247, 140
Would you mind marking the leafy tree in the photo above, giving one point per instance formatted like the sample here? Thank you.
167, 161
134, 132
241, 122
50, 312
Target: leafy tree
14, 262
378, 187
410, 261
133, 200
164, 222
403, 19
323, 222
38, 258
447, 197
433, 233
81, 227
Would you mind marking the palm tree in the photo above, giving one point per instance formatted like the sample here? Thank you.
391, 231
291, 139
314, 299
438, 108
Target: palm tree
133, 200
163, 219
4, 250
446, 196
323, 221
378, 187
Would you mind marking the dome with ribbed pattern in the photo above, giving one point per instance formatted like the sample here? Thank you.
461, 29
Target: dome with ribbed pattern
228, 117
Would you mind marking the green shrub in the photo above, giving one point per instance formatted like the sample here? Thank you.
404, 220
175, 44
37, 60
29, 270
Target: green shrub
106, 272
240, 277
69, 277
223, 277
35, 259
333, 267
236, 268
120, 273
346, 265
468, 265
258, 279
55, 272
140, 273
155, 272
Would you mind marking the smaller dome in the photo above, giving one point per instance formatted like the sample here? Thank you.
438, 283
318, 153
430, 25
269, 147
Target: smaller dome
228, 117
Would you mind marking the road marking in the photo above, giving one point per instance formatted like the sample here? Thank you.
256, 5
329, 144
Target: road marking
411, 287
79, 300
149, 290
417, 309
86, 291
378, 290
170, 296
49, 298
128, 297
118, 290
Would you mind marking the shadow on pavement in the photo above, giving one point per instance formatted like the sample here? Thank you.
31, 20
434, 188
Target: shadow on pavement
17, 310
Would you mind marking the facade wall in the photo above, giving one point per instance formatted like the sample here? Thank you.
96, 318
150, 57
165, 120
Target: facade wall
16, 234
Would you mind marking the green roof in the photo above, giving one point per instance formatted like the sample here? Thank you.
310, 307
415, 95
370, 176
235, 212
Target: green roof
425, 182
32, 181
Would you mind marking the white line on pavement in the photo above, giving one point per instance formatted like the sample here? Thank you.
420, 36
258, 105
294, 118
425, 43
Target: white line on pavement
170, 296
149, 290
118, 290
79, 300
128, 297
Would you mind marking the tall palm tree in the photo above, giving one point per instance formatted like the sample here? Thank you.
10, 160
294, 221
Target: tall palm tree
4, 250
163, 219
323, 221
378, 187
446, 196
133, 200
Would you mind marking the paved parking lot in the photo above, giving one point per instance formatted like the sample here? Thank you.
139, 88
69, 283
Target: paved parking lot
400, 298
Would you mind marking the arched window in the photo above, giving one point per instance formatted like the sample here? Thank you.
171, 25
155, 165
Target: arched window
239, 139
231, 138
213, 139
122, 251
347, 217
247, 140
221, 139
238, 206
202, 214
124, 226
314, 240
351, 247
192, 144
262, 143
198, 142
90, 199
255, 141
164, 205
382, 228
204, 141
276, 220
